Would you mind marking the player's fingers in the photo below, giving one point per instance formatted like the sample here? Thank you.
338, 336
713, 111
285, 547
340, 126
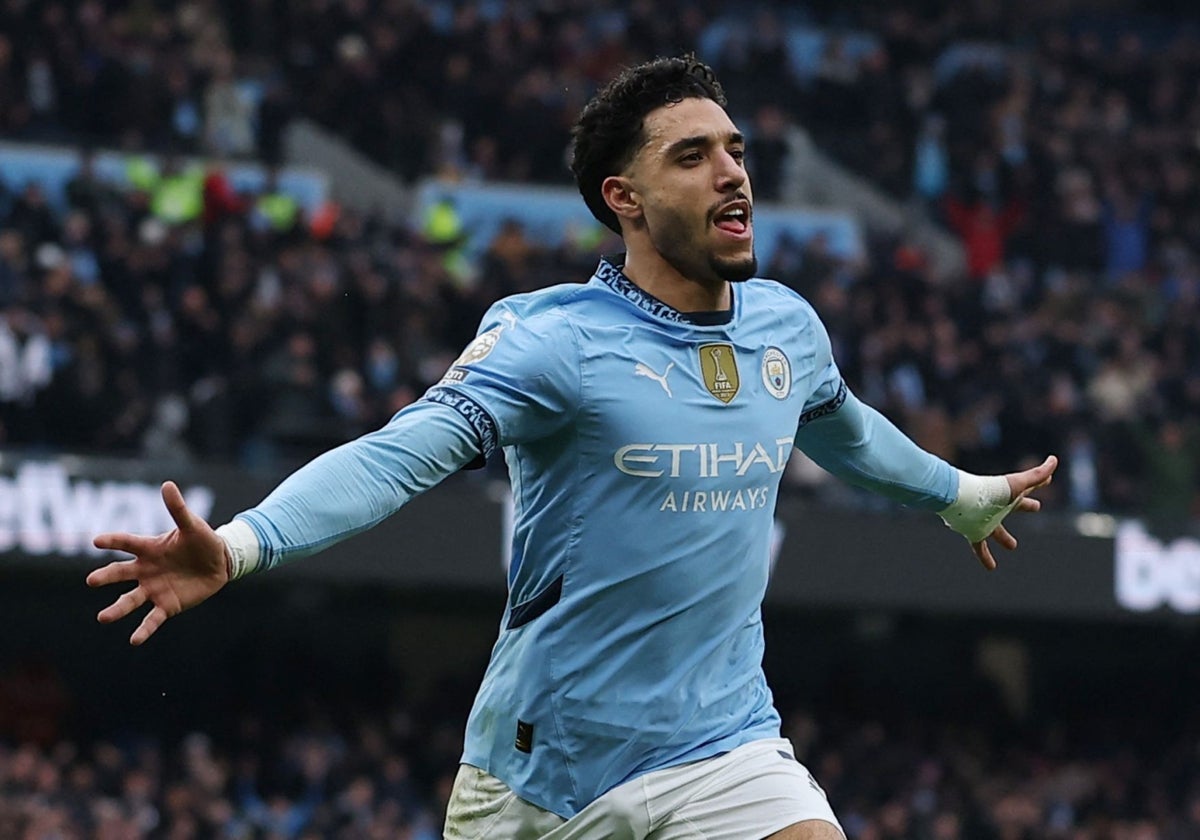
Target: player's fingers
1002, 536
131, 543
115, 572
1031, 479
176, 506
153, 620
1028, 505
984, 554
122, 607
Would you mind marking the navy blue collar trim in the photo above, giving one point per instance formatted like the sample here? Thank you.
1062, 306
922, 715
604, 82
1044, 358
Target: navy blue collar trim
609, 272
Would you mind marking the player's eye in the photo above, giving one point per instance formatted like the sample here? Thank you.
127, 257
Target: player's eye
738, 154
693, 156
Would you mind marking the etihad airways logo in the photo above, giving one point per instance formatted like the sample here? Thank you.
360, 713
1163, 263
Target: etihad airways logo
702, 460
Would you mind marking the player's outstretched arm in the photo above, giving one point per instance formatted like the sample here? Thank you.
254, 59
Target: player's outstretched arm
983, 502
861, 446
173, 571
338, 494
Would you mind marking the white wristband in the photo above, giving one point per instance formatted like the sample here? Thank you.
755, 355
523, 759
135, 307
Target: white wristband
241, 548
983, 502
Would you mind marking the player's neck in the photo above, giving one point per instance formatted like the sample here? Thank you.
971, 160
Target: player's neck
655, 275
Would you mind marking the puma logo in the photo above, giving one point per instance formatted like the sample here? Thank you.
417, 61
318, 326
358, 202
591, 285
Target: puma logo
645, 370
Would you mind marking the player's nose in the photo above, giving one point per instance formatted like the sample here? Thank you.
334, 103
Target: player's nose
730, 174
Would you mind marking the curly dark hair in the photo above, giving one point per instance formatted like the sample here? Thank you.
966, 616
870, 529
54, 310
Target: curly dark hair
610, 130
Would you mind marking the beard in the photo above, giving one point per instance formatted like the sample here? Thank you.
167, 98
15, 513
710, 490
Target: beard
734, 269
695, 260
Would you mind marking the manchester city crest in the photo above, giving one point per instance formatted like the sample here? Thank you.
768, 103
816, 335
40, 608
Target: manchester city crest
776, 373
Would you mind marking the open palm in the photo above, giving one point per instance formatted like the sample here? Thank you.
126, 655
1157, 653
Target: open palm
174, 571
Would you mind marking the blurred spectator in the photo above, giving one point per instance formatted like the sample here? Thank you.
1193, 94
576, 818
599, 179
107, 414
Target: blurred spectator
32, 217
931, 165
228, 114
1126, 222
984, 230
1170, 457
767, 153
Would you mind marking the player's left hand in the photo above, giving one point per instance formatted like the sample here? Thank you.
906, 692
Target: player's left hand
1020, 484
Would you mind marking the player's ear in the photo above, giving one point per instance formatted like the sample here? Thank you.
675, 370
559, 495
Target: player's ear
622, 197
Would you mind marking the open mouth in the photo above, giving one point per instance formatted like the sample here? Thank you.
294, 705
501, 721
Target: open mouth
733, 218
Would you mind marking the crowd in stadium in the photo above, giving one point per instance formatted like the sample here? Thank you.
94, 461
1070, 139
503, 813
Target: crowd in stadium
128, 333
1063, 156
1066, 166
378, 780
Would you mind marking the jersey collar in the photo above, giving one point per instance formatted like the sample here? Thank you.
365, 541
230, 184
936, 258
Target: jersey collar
609, 272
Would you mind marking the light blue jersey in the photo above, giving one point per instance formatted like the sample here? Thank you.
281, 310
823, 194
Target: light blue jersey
645, 449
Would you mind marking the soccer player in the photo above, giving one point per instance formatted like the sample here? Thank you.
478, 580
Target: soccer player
646, 417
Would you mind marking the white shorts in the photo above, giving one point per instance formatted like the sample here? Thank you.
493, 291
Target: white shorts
751, 792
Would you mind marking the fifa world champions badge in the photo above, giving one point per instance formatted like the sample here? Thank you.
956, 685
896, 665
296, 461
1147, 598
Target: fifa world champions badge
718, 364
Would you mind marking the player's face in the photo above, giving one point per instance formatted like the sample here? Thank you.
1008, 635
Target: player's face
697, 203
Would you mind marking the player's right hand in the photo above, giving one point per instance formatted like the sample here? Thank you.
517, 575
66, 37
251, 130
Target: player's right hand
174, 571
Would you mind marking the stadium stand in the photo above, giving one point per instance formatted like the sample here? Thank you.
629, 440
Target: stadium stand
905, 752
317, 782
1065, 166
